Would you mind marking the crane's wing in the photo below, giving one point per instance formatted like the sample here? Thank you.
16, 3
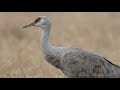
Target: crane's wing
80, 63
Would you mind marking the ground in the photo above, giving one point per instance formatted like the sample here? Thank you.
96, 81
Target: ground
20, 52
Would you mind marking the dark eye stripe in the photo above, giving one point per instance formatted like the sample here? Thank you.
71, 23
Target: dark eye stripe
37, 20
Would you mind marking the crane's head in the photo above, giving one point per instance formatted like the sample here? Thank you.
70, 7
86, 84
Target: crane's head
41, 21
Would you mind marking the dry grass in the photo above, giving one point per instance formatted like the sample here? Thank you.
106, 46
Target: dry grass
20, 54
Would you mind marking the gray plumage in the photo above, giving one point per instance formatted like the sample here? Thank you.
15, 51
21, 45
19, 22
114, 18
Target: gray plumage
78, 63
74, 62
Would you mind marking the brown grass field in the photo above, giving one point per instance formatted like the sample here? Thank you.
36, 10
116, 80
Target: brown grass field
20, 52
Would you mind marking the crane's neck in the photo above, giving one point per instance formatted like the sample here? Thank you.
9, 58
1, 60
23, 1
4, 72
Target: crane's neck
45, 45
51, 53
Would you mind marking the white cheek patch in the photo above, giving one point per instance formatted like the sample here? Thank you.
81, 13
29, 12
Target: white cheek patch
42, 21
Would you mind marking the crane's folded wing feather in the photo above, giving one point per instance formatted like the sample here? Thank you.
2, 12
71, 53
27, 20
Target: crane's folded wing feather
80, 63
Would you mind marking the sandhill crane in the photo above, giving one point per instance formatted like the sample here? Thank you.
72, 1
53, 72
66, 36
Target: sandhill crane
73, 62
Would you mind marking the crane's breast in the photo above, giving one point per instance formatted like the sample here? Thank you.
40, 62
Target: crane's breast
53, 61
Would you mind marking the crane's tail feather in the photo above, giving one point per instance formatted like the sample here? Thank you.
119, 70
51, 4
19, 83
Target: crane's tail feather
111, 63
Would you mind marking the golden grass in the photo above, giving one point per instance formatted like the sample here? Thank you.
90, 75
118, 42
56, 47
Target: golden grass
20, 52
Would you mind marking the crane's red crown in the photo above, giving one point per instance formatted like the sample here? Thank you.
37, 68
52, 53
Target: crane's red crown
37, 20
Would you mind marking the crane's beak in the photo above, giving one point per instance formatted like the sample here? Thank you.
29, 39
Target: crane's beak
31, 24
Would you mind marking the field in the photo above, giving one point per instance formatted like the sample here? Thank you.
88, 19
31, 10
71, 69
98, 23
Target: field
20, 52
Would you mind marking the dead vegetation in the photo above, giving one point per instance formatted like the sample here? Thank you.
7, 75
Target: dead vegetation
20, 53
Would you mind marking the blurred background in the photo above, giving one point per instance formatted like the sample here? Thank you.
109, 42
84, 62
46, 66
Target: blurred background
20, 52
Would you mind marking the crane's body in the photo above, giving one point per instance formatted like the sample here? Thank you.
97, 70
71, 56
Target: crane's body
74, 62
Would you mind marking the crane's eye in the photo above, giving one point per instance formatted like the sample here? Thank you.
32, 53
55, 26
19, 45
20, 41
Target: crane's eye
37, 20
